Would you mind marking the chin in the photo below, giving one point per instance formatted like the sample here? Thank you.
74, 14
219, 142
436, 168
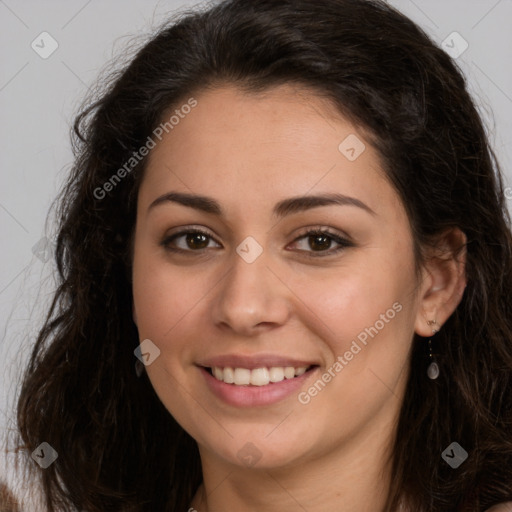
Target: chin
253, 450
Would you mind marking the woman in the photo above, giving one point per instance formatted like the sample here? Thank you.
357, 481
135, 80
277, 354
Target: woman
285, 262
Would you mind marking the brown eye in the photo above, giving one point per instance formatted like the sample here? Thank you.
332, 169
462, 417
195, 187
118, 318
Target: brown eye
192, 240
196, 240
319, 242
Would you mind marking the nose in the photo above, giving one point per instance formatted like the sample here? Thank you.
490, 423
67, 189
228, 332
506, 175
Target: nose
251, 298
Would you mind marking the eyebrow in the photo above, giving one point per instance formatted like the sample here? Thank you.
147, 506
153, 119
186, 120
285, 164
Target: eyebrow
281, 209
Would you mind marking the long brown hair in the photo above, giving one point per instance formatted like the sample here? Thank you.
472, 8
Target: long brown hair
119, 449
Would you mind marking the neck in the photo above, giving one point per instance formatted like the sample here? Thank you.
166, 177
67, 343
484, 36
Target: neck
353, 478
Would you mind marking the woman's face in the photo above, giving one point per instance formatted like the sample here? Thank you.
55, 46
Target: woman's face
258, 298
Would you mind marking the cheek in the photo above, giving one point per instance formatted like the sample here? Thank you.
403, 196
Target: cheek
155, 307
163, 299
161, 293
369, 312
366, 349
169, 302
356, 300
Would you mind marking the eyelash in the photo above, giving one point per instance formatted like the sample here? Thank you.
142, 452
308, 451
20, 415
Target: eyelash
342, 242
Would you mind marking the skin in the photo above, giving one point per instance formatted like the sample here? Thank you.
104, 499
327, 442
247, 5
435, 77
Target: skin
249, 152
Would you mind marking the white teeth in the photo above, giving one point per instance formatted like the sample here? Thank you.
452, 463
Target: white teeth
229, 375
276, 374
242, 376
258, 376
289, 372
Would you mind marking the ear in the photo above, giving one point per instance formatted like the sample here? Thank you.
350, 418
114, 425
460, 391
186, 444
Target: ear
443, 283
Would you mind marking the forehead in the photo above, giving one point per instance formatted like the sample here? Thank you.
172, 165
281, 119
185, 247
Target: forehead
295, 115
281, 142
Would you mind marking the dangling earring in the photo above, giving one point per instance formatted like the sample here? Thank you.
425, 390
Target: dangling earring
433, 367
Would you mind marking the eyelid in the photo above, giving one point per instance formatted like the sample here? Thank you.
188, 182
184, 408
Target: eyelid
340, 238
182, 231
319, 228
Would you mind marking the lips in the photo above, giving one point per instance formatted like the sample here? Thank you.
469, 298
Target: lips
245, 381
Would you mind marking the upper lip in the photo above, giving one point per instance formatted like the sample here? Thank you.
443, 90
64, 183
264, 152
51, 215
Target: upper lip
252, 362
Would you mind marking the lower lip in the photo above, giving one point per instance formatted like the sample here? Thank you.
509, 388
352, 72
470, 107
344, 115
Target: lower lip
250, 396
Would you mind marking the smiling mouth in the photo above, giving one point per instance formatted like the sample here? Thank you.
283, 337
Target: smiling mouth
257, 376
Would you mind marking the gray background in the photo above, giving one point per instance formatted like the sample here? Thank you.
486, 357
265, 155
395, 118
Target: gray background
38, 98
